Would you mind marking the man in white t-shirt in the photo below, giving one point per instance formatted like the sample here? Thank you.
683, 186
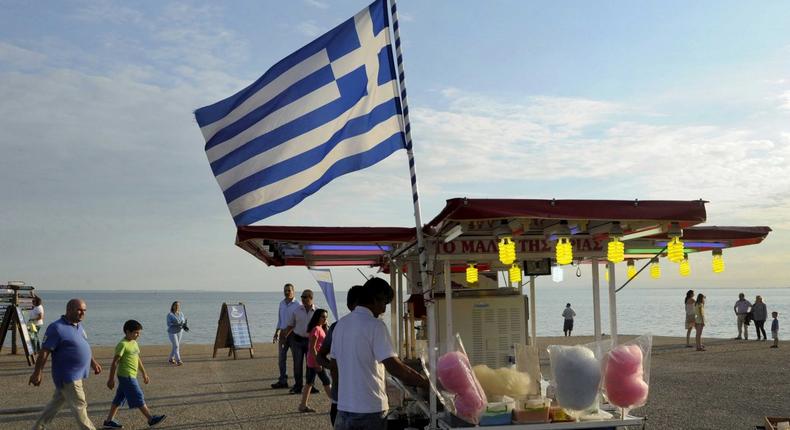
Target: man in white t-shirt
297, 330
36, 320
362, 348
741, 309
568, 314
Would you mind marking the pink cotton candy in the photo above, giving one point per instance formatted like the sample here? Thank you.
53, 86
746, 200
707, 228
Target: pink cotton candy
626, 359
627, 393
453, 370
455, 373
623, 378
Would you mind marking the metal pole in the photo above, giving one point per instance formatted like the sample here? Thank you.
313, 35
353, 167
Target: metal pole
532, 316
612, 305
596, 291
448, 303
400, 313
423, 260
393, 313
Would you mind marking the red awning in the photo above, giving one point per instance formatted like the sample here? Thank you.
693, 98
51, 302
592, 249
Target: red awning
463, 209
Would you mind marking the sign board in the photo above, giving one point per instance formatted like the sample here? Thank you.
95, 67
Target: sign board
14, 320
233, 329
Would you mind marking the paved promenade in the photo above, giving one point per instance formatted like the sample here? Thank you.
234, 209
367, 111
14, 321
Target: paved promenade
732, 385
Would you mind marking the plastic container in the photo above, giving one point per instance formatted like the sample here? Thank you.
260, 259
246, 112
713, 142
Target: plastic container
531, 411
498, 413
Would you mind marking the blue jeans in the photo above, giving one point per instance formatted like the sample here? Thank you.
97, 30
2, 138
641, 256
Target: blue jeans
282, 359
352, 421
299, 351
175, 342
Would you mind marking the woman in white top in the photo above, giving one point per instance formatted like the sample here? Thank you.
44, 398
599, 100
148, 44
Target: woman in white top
36, 321
689, 315
699, 319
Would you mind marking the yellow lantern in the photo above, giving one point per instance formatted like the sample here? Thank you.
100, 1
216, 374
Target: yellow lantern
675, 251
471, 274
615, 251
631, 269
718, 261
655, 269
564, 251
514, 274
685, 267
507, 250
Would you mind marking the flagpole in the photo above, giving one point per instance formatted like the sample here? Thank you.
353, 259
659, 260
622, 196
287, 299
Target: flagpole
423, 258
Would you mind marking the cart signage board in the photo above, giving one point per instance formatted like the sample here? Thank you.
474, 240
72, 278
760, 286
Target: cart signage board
523, 246
233, 329
14, 320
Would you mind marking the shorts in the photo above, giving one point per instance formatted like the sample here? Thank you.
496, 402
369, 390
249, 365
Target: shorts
568, 325
129, 391
313, 372
690, 321
775, 335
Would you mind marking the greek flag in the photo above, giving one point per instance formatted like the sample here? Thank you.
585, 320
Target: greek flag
324, 279
328, 109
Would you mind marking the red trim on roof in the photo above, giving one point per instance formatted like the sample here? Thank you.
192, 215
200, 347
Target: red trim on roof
460, 209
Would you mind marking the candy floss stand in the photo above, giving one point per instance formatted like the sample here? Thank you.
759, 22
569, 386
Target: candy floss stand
465, 240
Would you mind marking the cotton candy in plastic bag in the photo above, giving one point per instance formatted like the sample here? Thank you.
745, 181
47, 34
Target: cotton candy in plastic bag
626, 379
576, 373
455, 373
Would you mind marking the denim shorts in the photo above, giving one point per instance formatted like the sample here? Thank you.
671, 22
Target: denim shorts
312, 373
129, 391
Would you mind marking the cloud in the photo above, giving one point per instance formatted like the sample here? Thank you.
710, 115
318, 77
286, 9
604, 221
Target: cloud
316, 3
16, 56
308, 28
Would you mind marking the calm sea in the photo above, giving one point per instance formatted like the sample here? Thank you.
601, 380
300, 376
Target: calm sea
639, 310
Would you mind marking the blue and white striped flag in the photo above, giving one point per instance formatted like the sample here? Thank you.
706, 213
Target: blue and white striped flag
328, 109
324, 279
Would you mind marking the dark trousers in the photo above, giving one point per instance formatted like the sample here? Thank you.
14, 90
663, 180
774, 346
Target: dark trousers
299, 351
759, 327
352, 421
282, 359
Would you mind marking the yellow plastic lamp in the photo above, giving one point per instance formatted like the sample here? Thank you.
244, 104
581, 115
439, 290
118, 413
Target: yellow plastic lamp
471, 274
615, 251
515, 274
655, 269
631, 269
685, 267
564, 251
675, 251
507, 250
718, 261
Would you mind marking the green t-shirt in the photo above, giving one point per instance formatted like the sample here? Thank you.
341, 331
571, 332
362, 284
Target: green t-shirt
129, 352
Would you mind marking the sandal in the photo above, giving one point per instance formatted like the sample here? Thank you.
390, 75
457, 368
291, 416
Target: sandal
178, 363
306, 409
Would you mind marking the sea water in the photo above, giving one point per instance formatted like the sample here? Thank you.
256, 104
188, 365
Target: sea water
659, 311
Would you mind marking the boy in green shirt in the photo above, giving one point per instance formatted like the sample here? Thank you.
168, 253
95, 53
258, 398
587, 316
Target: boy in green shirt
126, 362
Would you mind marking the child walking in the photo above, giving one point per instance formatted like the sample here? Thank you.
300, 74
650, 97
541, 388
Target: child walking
775, 329
317, 329
126, 363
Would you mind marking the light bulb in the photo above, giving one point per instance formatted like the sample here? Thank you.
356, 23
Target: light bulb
675, 250
615, 251
556, 273
507, 250
471, 273
718, 263
685, 267
515, 274
564, 251
631, 272
655, 270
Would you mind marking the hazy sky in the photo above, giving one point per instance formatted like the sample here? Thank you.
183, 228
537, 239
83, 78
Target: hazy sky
104, 183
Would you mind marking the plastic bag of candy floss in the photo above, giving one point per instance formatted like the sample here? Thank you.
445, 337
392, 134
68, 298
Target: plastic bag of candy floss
576, 373
626, 380
455, 373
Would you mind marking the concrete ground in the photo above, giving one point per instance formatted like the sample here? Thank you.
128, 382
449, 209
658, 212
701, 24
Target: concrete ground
732, 385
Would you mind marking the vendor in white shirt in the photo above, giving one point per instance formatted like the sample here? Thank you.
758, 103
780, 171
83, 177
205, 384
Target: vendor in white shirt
297, 329
362, 348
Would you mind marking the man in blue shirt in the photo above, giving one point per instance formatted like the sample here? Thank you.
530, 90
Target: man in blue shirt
287, 305
67, 342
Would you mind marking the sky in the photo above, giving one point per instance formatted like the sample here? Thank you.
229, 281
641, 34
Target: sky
104, 182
